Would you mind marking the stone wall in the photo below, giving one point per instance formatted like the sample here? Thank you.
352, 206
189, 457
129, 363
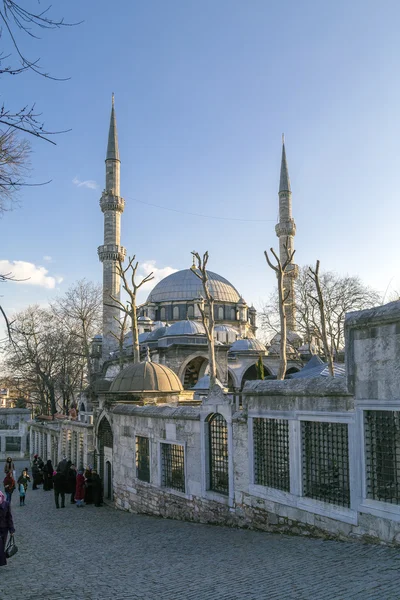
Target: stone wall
13, 432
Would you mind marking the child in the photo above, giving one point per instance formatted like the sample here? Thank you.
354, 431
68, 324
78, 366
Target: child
23, 486
21, 494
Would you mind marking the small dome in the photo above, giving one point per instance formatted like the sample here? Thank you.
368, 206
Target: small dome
156, 334
98, 336
292, 338
146, 377
158, 324
204, 383
185, 328
143, 319
248, 345
128, 338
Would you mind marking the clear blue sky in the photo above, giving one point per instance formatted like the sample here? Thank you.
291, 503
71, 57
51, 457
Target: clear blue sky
203, 91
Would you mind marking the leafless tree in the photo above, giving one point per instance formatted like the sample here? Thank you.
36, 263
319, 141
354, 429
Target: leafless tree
130, 286
280, 270
207, 312
120, 337
26, 119
319, 301
341, 294
79, 313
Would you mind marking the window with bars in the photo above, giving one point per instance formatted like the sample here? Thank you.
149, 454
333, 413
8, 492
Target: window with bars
271, 453
80, 457
13, 444
74, 457
382, 455
173, 467
218, 454
325, 462
143, 458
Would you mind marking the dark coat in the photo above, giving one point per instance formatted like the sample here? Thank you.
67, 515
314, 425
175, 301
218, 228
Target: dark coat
48, 476
60, 483
6, 526
71, 481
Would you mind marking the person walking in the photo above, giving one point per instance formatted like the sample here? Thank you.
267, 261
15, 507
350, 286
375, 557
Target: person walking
6, 527
80, 489
71, 483
23, 486
36, 473
60, 487
48, 476
97, 486
9, 466
9, 486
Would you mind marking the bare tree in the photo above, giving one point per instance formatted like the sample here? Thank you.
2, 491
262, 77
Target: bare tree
341, 294
207, 316
120, 337
26, 119
319, 300
79, 312
131, 288
280, 270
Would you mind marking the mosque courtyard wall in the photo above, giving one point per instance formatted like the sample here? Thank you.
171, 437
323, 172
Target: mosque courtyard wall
318, 456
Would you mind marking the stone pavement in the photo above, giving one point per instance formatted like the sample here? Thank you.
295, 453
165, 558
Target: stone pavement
104, 554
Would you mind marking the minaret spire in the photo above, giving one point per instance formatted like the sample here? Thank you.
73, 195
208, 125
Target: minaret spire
112, 146
284, 183
286, 230
112, 206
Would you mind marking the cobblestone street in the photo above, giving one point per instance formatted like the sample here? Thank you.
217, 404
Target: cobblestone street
104, 554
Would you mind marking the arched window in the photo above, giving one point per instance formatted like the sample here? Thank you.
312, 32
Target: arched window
233, 314
190, 311
162, 314
175, 314
220, 313
218, 453
105, 434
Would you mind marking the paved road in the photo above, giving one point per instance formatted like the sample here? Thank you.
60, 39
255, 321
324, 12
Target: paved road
103, 554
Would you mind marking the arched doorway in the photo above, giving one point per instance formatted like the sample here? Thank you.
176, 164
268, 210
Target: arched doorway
291, 371
105, 445
193, 371
251, 374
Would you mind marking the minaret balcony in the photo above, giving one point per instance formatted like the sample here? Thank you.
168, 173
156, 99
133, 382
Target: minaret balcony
110, 201
111, 252
285, 228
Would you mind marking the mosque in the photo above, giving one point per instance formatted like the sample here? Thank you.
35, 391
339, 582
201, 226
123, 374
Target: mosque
171, 331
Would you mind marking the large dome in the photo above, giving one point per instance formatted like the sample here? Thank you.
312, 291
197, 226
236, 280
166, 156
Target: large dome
184, 285
146, 377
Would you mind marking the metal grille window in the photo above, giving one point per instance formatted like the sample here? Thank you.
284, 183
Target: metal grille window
325, 454
69, 444
13, 444
45, 453
80, 456
173, 467
74, 457
54, 450
382, 455
271, 453
64, 443
218, 453
143, 458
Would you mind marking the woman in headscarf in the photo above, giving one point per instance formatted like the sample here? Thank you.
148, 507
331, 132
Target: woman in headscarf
48, 476
6, 527
9, 485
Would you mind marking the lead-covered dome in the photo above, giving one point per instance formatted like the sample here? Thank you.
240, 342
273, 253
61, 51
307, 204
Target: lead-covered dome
146, 377
247, 345
184, 285
186, 327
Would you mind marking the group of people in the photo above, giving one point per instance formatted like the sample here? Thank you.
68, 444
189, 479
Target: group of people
84, 487
10, 484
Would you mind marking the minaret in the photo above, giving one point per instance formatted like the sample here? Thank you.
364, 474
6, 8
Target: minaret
286, 230
112, 206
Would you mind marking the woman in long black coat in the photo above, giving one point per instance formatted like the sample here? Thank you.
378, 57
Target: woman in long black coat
48, 476
6, 527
